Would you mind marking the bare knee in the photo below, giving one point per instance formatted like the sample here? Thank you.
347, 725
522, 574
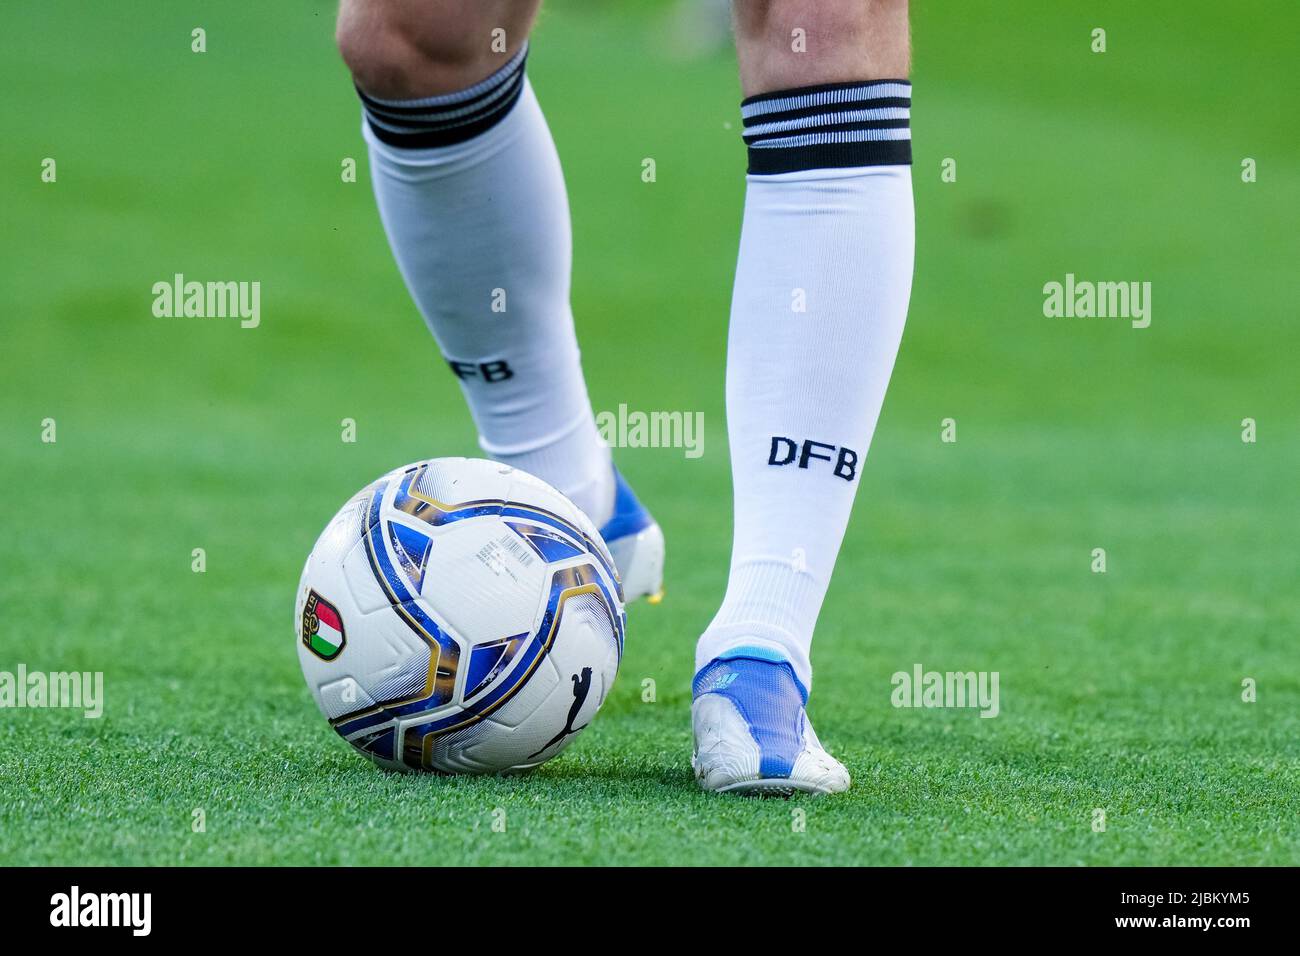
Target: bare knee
403, 49
783, 44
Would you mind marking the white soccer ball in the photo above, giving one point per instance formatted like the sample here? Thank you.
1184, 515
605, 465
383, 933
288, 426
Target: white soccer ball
459, 616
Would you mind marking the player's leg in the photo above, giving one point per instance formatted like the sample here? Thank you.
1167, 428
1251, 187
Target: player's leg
473, 201
821, 292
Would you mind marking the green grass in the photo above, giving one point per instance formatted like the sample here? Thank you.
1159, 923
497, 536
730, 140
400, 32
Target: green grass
1119, 691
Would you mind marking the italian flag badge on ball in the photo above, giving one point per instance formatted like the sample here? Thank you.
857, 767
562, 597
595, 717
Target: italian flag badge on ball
322, 628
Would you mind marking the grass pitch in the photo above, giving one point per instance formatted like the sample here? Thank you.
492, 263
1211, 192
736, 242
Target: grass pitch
1120, 692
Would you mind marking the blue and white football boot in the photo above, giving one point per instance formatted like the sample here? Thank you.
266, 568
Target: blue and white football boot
752, 735
636, 544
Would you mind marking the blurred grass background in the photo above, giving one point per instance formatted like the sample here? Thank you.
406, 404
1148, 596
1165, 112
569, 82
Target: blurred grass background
1120, 691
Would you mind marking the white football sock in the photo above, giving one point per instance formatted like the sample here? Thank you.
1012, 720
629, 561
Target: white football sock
822, 285
472, 198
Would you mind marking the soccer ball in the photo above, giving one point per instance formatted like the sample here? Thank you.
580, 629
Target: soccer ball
459, 616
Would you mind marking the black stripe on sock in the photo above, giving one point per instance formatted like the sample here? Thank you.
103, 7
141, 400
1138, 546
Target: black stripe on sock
387, 110
752, 138
767, 161
500, 104
829, 109
422, 127
823, 88
771, 159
